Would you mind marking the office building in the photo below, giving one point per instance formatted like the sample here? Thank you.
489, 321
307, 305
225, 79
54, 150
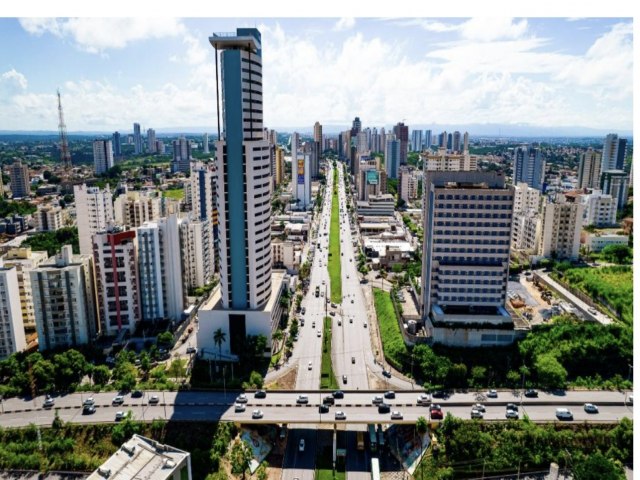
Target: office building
116, 267
616, 184
102, 156
589, 169
416, 141
117, 144
12, 337
456, 147
246, 302
443, 161
614, 152
317, 132
526, 198
599, 209
24, 260
64, 300
205, 143
356, 126
465, 142
465, 258
19, 175
133, 208
408, 184
427, 142
142, 457
371, 182
301, 188
137, 139
528, 166
151, 141
94, 213
560, 229
181, 155
49, 218
401, 131
382, 205
392, 155
279, 171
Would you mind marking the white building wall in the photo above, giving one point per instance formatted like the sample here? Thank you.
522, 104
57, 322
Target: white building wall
560, 230
12, 337
94, 213
150, 267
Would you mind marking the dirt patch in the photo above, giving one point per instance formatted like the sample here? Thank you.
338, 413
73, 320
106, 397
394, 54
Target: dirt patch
375, 383
285, 382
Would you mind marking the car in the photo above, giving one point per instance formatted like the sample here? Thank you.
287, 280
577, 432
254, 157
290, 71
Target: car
338, 394
344, 379
257, 414
304, 310
324, 408
48, 402
396, 415
479, 407
323, 282
310, 366
242, 398
192, 350
512, 414
377, 400
119, 415
531, 393
512, 406
476, 413
332, 313
333, 305
436, 414
386, 373
154, 399
329, 400
239, 407
89, 402
339, 322
564, 414
390, 394
364, 324
424, 399
319, 333
302, 399
313, 324
591, 408
351, 299
301, 445
340, 415
136, 394
88, 409
492, 394
118, 400
384, 408
260, 394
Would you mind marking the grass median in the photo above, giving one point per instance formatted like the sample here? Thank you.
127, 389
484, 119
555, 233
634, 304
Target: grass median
335, 274
393, 344
327, 377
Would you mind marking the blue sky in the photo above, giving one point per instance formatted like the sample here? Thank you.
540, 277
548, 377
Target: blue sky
160, 71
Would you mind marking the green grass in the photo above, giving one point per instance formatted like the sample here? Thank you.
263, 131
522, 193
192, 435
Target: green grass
176, 194
392, 342
324, 468
335, 274
327, 377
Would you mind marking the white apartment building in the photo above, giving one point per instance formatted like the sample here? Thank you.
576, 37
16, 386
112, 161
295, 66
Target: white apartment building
94, 213
589, 169
116, 265
599, 209
198, 256
526, 231
560, 229
102, 156
132, 209
377, 205
443, 161
467, 224
595, 242
408, 184
25, 260
301, 181
64, 300
285, 255
49, 219
12, 337
526, 198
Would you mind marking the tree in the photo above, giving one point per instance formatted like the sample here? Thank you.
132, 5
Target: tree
595, 467
256, 379
177, 368
620, 254
165, 338
421, 425
551, 374
478, 376
240, 456
101, 375
219, 337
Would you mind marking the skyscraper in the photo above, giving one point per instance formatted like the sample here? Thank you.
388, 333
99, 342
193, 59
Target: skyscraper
356, 126
392, 157
416, 141
205, 143
528, 166
317, 132
19, 174
117, 144
589, 169
137, 139
94, 212
401, 132
181, 155
151, 141
614, 152
102, 156
427, 139
456, 141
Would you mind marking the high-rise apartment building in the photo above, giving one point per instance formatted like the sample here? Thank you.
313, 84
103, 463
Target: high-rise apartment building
614, 152
561, 227
181, 155
64, 300
392, 157
94, 213
117, 144
25, 260
49, 218
443, 161
616, 184
137, 139
204, 204
599, 209
19, 174
12, 338
198, 253
526, 198
279, 171
408, 184
416, 141
465, 269
401, 131
589, 169
428, 139
205, 143
528, 166
102, 156
133, 208
151, 141
116, 266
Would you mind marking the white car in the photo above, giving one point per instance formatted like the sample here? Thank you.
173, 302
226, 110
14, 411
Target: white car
377, 400
476, 413
591, 408
479, 407
310, 366
48, 403
257, 414
239, 407
396, 415
302, 399
319, 333
119, 416
89, 402
154, 399
242, 398
492, 394
340, 415
512, 414
118, 400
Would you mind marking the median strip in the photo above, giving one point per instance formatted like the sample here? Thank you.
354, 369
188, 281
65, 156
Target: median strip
334, 267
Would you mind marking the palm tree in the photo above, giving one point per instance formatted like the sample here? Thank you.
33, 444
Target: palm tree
219, 337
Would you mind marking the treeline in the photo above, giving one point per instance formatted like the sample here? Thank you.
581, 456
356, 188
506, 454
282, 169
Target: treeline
20, 207
52, 242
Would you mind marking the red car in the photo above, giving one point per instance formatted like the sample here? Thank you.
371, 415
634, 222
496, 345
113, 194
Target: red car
436, 412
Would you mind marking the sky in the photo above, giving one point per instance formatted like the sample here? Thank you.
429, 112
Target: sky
160, 72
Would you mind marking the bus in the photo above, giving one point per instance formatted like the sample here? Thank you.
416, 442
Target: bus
375, 469
373, 439
360, 440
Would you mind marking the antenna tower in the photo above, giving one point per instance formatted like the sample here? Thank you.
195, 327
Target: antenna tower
65, 155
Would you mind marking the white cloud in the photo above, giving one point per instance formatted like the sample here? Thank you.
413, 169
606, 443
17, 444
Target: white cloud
95, 35
14, 80
345, 23
493, 28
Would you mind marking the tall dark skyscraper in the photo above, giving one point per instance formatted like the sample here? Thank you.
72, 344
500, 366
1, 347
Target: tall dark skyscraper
402, 135
356, 127
137, 139
117, 144
528, 167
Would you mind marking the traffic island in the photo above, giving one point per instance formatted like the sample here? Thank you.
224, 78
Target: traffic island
327, 376
335, 273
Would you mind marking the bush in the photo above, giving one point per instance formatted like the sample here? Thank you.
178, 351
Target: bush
395, 350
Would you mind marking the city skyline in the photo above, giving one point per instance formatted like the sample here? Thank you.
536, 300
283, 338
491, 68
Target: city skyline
159, 72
